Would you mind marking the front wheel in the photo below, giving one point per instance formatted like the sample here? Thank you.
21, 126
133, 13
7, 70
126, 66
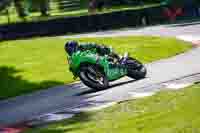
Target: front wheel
136, 69
93, 77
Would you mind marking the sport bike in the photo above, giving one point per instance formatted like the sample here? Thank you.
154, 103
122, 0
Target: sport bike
96, 70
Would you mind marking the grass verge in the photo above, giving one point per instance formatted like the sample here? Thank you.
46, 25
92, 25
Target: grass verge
165, 112
34, 64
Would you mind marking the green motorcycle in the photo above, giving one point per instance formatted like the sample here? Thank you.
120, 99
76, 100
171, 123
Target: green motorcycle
96, 70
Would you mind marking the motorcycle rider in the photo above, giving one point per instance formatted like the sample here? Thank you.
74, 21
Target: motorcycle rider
95, 65
74, 46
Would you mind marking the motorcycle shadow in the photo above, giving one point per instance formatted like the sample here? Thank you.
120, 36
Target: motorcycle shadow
111, 86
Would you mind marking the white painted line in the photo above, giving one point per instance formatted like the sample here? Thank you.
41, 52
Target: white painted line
190, 38
56, 117
50, 117
141, 94
177, 86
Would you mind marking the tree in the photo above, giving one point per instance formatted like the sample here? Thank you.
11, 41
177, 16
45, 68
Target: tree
4, 4
44, 7
21, 8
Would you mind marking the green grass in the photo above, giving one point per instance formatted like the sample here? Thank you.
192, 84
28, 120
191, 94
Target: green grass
165, 112
35, 64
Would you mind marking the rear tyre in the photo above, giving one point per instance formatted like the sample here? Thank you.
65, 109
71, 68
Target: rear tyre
136, 69
93, 77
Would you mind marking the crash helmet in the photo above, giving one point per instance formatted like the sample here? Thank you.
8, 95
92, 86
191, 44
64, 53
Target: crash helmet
71, 47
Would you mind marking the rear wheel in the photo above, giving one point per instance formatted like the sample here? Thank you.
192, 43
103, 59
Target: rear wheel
93, 77
136, 69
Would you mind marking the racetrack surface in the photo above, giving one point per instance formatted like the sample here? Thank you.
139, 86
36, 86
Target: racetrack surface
182, 30
75, 97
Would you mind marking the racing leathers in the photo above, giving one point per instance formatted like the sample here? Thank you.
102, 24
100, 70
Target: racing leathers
103, 50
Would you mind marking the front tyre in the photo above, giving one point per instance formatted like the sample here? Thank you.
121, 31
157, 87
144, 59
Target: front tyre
93, 77
136, 69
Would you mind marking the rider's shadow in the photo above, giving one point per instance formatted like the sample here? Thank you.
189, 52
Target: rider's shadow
111, 86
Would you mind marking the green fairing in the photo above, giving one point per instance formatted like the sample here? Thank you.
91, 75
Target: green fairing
91, 57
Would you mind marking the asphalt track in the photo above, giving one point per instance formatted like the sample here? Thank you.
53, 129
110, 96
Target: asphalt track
183, 68
183, 30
